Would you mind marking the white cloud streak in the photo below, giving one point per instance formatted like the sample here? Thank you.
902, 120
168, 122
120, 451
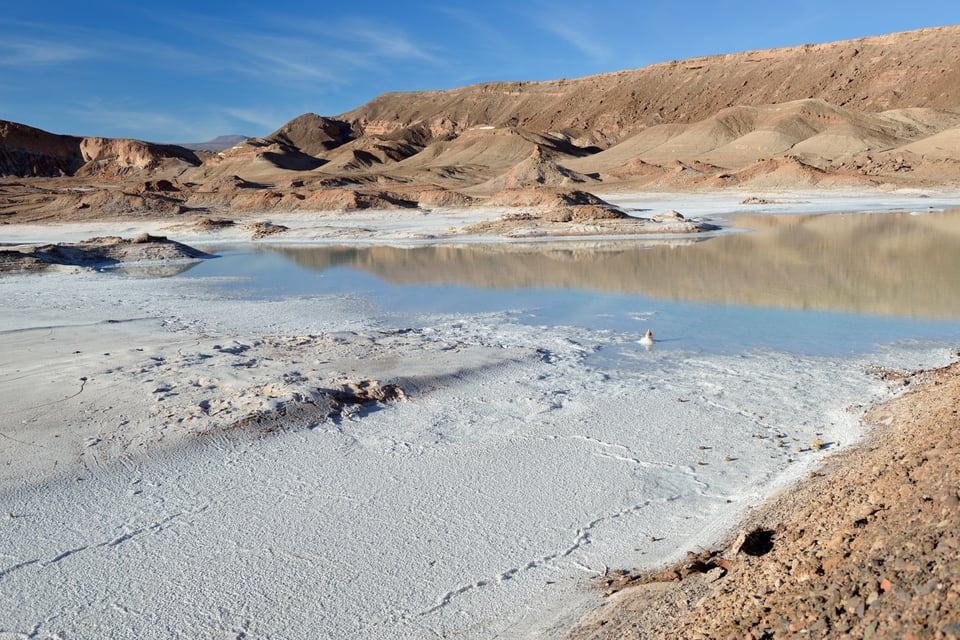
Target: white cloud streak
134, 122
575, 25
587, 43
32, 52
267, 120
281, 50
331, 55
41, 44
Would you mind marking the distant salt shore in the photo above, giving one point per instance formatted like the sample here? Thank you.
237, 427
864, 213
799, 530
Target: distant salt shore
447, 224
178, 459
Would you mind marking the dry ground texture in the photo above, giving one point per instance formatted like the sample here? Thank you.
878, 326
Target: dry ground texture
868, 547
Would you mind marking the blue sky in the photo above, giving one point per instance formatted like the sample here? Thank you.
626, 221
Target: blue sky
188, 71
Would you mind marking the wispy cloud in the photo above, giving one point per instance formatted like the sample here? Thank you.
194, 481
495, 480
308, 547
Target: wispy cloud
575, 25
273, 59
577, 37
262, 119
478, 27
282, 50
383, 41
46, 44
133, 121
513, 35
334, 50
33, 52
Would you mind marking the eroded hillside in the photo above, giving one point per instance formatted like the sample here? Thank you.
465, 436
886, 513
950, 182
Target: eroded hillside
880, 112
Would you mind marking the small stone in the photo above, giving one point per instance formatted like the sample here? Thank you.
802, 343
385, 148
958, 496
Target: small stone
928, 587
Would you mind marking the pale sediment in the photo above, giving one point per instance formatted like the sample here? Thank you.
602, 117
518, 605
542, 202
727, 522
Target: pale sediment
518, 472
867, 547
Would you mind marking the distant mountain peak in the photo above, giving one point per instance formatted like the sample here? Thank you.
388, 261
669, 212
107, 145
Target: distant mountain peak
216, 144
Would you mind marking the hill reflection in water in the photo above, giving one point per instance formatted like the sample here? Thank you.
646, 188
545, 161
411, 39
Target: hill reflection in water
894, 264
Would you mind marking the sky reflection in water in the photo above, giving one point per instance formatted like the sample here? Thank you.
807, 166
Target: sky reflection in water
817, 284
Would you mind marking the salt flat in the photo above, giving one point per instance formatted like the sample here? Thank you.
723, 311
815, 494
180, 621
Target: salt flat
139, 500
446, 224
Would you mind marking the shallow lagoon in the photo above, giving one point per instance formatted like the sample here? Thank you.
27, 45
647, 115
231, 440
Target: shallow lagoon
809, 284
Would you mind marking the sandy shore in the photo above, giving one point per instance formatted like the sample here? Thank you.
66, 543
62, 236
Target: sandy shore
866, 547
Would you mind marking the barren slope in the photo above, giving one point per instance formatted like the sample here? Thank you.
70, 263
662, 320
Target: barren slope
910, 69
817, 101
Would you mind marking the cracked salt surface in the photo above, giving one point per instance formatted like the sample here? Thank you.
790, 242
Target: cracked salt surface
529, 459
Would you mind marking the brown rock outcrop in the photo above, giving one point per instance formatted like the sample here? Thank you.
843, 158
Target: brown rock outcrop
97, 253
27, 151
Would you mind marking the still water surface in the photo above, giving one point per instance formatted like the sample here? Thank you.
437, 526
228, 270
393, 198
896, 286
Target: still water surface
813, 284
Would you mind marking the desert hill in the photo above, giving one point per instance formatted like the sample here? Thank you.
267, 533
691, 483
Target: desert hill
877, 112
27, 151
826, 106
910, 69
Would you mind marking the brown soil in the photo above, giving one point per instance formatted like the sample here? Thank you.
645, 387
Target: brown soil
540, 168
868, 547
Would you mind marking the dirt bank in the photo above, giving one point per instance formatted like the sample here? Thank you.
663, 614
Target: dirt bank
868, 547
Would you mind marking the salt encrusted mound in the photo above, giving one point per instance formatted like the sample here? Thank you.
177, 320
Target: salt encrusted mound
97, 253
